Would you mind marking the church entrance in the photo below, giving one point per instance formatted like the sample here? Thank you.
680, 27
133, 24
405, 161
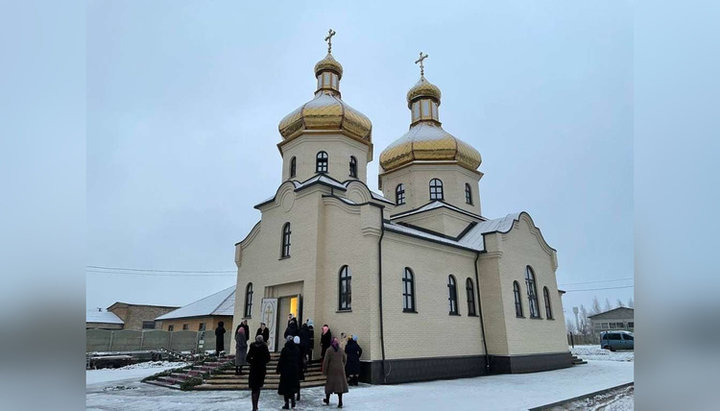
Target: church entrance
286, 305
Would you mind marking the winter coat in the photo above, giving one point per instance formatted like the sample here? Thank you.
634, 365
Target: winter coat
334, 370
304, 335
220, 338
326, 339
240, 349
289, 369
257, 357
353, 351
311, 332
292, 328
265, 334
247, 331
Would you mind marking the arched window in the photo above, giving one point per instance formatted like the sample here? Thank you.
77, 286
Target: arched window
436, 189
321, 162
468, 194
248, 300
353, 167
518, 299
293, 167
548, 308
408, 291
286, 241
532, 293
345, 289
452, 295
400, 194
470, 289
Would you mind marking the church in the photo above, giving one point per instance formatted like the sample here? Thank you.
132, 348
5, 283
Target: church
432, 288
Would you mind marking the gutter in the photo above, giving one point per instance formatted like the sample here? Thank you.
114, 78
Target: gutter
480, 312
380, 296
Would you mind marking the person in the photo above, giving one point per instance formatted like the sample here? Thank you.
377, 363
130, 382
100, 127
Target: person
304, 335
258, 357
311, 342
301, 364
334, 369
343, 341
353, 352
264, 331
219, 338
292, 327
240, 349
244, 325
325, 340
287, 367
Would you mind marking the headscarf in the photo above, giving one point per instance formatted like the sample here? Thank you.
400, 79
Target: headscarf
240, 330
354, 337
309, 322
259, 339
335, 343
289, 338
296, 339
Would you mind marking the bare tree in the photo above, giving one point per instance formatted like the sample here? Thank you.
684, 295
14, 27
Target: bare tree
608, 307
620, 303
596, 306
630, 303
584, 322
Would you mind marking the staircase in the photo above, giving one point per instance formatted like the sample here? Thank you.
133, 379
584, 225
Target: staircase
227, 380
176, 379
577, 361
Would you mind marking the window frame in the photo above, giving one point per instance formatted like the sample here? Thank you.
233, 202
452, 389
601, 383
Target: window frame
248, 300
400, 194
353, 167
470, 291
202, 327
531, 284
548, 306
286, 235
468, 194
517, 294
452, 296
321, 162
345, 297
293, 167
171, 327
408, 289
146, 323
436, 187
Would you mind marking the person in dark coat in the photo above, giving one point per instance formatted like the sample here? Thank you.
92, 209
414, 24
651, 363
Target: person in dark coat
325, 340
244, 325
304, 335
292, 327
264, 331
353, 352
288, 368
240, 349
334, 370
219, 338
311, 342
257, 357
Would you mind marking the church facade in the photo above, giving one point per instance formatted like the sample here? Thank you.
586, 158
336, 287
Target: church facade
432, 288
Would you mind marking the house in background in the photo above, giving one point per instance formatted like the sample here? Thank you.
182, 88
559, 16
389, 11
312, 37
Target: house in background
203, 314
103, 320
621, 318
139, 316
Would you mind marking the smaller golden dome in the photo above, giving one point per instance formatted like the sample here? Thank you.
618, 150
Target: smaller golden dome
423, 88
329, 63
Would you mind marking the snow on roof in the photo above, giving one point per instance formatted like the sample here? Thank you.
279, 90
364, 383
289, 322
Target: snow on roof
474, 238
220, 303
320, 178
418, 233
433, 205
106, 317
380, 197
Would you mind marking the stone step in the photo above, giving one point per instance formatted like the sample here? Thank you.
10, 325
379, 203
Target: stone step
164, 384
239, 380
214, 387
268, 375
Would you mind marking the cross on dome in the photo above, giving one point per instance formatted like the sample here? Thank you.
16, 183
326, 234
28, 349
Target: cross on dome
331, 33
422, 66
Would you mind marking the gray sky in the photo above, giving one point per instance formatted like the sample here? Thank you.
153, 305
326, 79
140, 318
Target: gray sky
184, 100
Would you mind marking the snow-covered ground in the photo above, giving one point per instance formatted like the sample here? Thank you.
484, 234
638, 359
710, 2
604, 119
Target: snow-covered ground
594, 352
497, 392
130, 372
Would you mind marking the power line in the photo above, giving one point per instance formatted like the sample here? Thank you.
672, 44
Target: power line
599, 281
606, 288
157, 271
143, 274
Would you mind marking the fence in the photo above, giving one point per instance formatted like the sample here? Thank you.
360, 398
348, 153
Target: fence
583, 339
131, 340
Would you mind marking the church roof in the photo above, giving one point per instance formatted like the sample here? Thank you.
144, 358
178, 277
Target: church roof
220, 303
106, 317
433, 205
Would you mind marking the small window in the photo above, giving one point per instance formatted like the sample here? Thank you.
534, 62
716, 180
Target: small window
293, 167
201, 327
468, 194
400, 194
185, 326
452, 295
415, 110
548, 308
321, 162
248, 300
286, 241
436, 189
148, 325
408, 291
470, 290
631, 324
532, 293
345, 291
171, 327
353, 167
518, 299
605, 326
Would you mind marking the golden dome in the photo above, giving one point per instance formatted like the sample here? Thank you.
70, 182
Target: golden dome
423, 88
427, 141
329, 63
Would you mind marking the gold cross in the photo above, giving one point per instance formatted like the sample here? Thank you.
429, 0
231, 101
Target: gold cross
420, 60
331, 33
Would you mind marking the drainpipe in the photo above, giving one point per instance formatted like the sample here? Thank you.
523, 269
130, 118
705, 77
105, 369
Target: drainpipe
382, 336
482, 323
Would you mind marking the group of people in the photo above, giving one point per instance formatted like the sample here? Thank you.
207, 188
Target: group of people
340, 359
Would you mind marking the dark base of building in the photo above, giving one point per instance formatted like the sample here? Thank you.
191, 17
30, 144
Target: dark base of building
437, 368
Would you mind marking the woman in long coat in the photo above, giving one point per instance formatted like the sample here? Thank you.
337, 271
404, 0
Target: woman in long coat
353, 352
219, 338
334, 370
240, 348
258, 357
289, 369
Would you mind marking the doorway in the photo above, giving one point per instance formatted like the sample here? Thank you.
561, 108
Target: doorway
286, 305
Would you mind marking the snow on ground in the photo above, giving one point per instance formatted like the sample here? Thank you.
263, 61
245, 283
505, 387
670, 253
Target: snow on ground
496, 392
594, 352
130, 372
616, 400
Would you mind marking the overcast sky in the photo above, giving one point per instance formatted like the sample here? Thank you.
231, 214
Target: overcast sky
184, 99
